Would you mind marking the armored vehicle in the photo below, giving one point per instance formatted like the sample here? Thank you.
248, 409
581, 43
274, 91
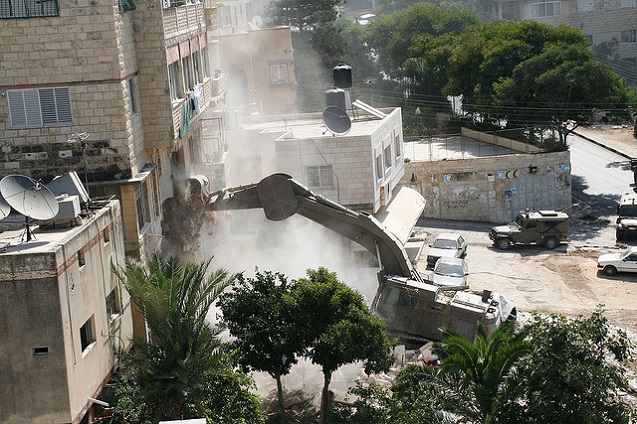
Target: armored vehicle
548, 228
412, 306
626, 216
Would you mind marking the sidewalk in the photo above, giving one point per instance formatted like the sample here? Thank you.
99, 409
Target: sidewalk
614, 138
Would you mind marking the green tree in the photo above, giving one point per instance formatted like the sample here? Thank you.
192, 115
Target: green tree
260, 313
391, 36
339, 328
303, 14
184, 371
532, 75
480, 368
572, 373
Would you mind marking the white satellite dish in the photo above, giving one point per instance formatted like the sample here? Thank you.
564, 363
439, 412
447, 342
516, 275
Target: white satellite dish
5, 208
29, 198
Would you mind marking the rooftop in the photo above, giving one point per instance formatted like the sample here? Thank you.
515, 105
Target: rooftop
44, 237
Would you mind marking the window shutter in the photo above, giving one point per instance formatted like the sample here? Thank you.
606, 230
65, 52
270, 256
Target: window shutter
32, 107
47, 102
16, 109
63, 103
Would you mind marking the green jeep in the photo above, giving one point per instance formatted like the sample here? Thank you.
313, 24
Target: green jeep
548, 228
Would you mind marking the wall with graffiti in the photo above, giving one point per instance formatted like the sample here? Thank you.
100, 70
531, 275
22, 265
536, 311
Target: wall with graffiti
492, 189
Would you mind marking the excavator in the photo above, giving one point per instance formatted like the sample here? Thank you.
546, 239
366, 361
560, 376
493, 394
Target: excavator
413, 307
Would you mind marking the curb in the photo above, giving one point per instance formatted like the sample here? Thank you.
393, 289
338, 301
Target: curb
612, 149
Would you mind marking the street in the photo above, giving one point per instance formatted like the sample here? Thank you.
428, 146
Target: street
565, 280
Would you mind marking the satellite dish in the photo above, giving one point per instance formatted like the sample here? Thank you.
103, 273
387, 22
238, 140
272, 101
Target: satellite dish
30, 198
5, 208
336, 120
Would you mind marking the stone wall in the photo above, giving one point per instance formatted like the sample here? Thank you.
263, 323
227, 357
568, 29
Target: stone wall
492, 189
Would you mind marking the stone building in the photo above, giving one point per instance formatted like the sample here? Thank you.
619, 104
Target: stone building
360, 169
605, 23
66, 319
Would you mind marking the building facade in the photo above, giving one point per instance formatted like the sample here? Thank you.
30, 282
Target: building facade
611, 26
66, 318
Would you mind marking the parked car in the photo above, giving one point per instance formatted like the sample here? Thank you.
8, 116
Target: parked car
624, 261
450, 272
446, 245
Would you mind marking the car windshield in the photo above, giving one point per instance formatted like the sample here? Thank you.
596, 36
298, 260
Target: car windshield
450, 270
626, 252
444, 244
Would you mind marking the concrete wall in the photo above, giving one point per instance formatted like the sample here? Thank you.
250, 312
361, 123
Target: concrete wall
491, 189
46, 296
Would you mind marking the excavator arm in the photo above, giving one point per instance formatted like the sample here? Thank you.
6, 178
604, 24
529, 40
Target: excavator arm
280, 197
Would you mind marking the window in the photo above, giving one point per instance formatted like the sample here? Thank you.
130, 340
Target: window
584, 5
225, 16
87, 334
106, 234
81, 258
28, 8
40, 351
628, 3
397, 144
196, 64
140, 201
174, 73
629, 36
545, 9
320, 176
205, 60
279, 74
388, 157
126, 5
112, 306
379, 167
131, 97
186, 64
39, 107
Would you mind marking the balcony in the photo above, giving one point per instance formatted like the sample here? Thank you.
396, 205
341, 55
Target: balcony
182, 18
188, 109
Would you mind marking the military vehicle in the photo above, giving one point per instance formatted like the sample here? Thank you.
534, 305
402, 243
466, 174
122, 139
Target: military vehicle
548, 228
414, 308
626, 216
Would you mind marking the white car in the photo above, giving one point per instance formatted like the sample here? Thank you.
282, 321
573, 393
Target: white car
446, 245
624, 261
450, 272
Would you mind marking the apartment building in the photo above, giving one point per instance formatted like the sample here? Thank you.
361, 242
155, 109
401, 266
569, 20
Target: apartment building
66, 319
607, 24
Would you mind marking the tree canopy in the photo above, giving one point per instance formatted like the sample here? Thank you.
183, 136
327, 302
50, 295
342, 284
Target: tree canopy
339, 328
261, 314
532, 75
552, 370
184, 371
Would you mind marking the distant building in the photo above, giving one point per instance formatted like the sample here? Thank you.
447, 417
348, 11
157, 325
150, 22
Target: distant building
605, 23
66, 319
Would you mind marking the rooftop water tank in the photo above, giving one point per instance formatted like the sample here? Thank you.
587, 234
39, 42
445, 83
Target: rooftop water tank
342, 74
335, 97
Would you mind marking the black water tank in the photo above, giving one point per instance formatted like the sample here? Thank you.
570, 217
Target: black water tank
335, 97
342, 76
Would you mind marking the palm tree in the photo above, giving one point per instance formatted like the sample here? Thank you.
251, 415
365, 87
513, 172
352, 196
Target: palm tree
480, 368
172, 376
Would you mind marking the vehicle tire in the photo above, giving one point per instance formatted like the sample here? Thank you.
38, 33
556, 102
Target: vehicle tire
610, 270
503, 243
551, 242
